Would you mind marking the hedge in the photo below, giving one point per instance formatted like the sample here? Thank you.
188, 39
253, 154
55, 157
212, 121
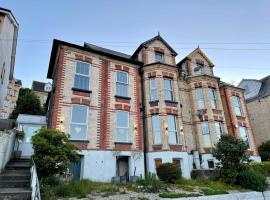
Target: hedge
262, 167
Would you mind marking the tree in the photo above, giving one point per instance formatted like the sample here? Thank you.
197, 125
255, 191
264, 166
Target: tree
231, 152
27, 103
264, 151
53, 153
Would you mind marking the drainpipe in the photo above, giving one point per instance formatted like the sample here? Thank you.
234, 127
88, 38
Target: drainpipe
144, 123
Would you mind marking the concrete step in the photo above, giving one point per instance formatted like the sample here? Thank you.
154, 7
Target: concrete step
15, 176
16, 165
14, 183
15, 194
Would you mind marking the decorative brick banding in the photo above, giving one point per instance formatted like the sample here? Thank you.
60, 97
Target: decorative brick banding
123, 147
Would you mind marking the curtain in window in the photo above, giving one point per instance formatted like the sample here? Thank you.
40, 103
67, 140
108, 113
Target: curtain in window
122, 126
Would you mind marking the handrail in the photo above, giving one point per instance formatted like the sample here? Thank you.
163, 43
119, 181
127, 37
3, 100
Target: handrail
34, 182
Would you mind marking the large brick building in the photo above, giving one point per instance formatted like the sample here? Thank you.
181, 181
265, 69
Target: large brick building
128, 113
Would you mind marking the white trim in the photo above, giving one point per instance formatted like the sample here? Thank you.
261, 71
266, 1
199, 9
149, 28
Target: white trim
123, 83
79, 74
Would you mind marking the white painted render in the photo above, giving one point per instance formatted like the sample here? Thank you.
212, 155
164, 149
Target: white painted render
167, 156
101, 165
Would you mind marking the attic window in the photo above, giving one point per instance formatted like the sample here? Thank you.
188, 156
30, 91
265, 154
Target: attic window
159, 57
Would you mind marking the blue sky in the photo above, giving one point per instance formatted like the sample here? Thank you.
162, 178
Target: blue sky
235, 35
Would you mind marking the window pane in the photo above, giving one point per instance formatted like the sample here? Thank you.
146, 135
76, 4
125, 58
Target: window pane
153, 95
79, 114
243, 134
207, 140
153, 83
171, 123
173, 137
218, 129
168, 95
159, 57
122, 134
121, 89
81, 82
167, 84
122, 77
212, 97
82, 68
205, 128
78, 132
156, 129
199, 97
122, 118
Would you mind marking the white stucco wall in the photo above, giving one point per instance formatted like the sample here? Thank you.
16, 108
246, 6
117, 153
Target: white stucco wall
7, 139
205, 158
167, 156
101, 165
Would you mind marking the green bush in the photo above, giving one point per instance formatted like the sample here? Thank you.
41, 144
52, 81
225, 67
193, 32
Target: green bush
264, 151
150, 183
53, 152
253, 180
194, 174
262, 167
50, 181
169, 172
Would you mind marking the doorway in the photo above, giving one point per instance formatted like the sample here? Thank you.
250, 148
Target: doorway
122, 166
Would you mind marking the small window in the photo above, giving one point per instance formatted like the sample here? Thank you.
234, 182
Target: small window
244, 134
122, 84
156, 129
159, 57
173, 136
158, 162
153, 89
82, 75
219, 131
236, 105
122, 126
211, 164
177, 162
168, 90
212, 97
206, 134
199, 98
79, 122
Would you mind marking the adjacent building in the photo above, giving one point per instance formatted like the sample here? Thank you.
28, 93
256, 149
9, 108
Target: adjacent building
8, 42
257, 94
11, 98
129, 113
41, 90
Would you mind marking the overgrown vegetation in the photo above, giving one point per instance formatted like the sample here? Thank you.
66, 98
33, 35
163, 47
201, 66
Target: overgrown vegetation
231, 153
27, 103
254, 180
169, 172
262, 167
264, 151
177, 195
150, 183
53, 153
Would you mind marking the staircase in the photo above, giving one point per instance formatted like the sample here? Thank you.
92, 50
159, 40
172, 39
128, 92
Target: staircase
15, 180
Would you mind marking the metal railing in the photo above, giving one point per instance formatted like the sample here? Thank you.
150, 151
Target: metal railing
34, 182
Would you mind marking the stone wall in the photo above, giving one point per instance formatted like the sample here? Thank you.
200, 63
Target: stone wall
7, 139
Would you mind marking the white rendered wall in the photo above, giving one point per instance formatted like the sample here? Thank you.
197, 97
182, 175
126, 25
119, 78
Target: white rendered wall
205, 158
167, 156
101, 165
256, 158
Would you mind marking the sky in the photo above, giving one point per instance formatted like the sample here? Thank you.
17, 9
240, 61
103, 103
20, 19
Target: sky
235, 35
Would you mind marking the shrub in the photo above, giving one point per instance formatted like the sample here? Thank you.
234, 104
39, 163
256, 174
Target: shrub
53, 153
231, 153
264, 151
253, 180
262, 167
150, 183
50, 181
194, 174
169, 172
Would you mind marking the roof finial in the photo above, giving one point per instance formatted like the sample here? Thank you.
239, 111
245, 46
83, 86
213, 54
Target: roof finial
198, 46
158, 33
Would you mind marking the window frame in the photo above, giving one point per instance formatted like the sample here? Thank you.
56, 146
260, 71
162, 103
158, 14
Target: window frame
208, 134
239, 105
247, 141
220, 128
153, 89
79, 74
175, 131
80, 124
154, 131
160, 54
166, 89
212, 94
122, 83
127, 128
198, 99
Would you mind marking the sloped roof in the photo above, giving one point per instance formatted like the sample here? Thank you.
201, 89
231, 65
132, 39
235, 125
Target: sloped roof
146, 43
197, 50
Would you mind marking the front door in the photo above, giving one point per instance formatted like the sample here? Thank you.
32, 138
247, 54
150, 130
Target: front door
75, 170
122, 167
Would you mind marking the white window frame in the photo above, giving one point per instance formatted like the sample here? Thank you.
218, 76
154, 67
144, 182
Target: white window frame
199, 99
153, 90
156, 130
81, 124
162, 56
206, 135
218, 125
127, 128
175, 132
79, 74
168, 89
237, 106
122, 83
212, 93
246, 140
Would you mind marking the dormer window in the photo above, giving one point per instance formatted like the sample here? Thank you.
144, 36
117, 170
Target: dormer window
159, 57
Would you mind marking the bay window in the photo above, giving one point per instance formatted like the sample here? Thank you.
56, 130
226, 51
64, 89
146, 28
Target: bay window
156, 129
236, 105
212, 97
168, 90
153, 89
206, 134
199, 98
172, 130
